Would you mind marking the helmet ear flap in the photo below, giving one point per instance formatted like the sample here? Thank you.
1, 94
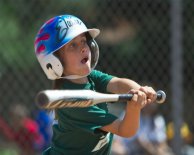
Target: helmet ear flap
94, 50
51, 66
95, 53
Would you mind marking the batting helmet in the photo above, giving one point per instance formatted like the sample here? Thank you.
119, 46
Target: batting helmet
53, 35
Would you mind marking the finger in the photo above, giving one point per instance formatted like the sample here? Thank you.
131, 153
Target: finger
150, 92
133, 91
135, 97
142, 98
149, 101
147, 89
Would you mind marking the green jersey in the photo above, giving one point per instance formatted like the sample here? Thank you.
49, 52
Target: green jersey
78, 129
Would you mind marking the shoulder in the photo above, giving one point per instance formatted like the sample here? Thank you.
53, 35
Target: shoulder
96, 72
100, 80
99, 75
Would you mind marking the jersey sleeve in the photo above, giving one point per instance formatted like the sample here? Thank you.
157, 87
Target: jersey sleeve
100, 80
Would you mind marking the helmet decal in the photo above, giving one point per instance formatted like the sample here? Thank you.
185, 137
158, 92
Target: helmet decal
61, 28
40, 38
41, 47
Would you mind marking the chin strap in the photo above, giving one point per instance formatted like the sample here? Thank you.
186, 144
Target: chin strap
73, 77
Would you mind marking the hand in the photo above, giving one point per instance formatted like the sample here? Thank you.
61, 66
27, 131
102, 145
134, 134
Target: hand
139, 99
150, 93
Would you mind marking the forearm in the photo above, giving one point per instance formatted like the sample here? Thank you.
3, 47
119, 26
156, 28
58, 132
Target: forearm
126, 127
130, 123
121, 85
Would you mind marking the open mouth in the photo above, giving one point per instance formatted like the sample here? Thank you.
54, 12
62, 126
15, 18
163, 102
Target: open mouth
84, 60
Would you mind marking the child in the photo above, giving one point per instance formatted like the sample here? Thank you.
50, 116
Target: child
68, 54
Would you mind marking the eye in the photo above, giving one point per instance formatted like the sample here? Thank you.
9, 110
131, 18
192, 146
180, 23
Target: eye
73, 45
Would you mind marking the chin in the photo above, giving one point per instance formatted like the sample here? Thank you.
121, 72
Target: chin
86, 71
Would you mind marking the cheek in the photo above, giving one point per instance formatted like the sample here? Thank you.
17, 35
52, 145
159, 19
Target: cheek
69, 61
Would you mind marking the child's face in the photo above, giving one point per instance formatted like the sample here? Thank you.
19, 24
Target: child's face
76, 56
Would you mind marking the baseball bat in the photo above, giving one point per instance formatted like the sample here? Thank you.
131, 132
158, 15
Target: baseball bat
53, 99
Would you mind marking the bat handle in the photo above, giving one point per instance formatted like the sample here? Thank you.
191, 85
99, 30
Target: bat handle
161, 97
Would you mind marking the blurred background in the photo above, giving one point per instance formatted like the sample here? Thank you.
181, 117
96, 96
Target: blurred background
149, 41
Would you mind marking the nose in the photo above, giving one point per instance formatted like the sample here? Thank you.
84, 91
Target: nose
84, 49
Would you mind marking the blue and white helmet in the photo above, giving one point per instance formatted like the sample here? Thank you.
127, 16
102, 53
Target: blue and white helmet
53, 35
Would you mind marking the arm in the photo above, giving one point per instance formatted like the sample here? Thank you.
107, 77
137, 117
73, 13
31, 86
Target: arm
130, 123
126, 127
121, 85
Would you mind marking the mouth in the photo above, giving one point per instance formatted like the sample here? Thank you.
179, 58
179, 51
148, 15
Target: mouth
84, 60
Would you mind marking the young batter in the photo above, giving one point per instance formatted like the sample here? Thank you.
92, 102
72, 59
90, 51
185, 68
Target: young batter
68, 54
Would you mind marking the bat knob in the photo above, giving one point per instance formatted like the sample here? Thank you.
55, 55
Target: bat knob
41, 99
161, 96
